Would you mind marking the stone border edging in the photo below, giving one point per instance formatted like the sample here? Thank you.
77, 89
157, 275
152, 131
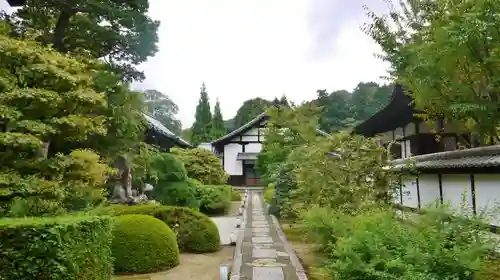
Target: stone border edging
238, 257
299, 269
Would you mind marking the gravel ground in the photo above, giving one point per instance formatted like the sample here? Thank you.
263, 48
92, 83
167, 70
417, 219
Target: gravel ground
192, 267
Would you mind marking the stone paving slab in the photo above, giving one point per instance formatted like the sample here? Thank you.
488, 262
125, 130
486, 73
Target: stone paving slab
267, 273
260, 229
264, 253
260, 239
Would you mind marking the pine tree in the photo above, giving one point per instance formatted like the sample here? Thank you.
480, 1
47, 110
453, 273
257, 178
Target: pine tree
218, 128
202, 126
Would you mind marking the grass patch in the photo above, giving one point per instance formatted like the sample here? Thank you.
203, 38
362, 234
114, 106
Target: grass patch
306, 251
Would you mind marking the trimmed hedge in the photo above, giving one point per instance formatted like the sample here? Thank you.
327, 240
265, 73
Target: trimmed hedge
59, 248
143, 244
195, 232
214, 200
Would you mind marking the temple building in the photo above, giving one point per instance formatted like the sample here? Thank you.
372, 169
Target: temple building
239, 149
448, 170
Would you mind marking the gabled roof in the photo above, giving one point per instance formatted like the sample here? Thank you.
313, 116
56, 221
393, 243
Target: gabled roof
161, 129
397, 113
242, 129
15, 3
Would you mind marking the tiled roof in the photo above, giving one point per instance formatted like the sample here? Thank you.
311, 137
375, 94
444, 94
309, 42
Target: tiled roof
160, 128
249, 125
476, 157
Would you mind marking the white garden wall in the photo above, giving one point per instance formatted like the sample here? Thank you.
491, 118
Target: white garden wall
486, 195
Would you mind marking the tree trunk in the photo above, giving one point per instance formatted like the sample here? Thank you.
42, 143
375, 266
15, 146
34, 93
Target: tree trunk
60, 30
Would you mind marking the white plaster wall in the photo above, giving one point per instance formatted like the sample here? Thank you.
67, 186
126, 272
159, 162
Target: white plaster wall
488, 195
249, 138
487, 192
253, 148
454, 186
253, 131
406, 148
386, 137
410, 197
398, 133
410, 129
429, 189
231, 165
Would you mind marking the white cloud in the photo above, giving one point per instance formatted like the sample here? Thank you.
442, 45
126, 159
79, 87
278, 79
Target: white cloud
245, 49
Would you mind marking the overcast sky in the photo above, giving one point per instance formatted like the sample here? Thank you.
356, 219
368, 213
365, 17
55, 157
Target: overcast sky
258, 48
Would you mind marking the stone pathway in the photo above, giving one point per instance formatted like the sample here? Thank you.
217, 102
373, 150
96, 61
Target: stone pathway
264, 254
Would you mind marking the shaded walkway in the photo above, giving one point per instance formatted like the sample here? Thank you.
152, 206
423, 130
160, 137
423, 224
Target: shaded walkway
265, 254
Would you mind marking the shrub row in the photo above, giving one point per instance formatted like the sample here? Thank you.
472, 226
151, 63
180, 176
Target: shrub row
378, 245
72, 247
195, 231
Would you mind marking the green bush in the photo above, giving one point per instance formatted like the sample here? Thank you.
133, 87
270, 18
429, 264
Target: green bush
166, 168
177, 194
284, 183
143, 244
235, 195
377, 245
70, 247
202, 165
269, 193
214, 200
195, 231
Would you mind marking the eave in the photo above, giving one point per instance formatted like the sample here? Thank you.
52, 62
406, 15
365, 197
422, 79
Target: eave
16, 3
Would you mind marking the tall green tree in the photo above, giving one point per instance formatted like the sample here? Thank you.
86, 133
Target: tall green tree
162, 108
335, 110
444, 53
119, 32
250, 109
342, 109
367, 99
202, 126
218, 127
282, 101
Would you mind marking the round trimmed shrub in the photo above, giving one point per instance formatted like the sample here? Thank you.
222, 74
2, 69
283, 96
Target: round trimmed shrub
196, 232
143, 244
177, 194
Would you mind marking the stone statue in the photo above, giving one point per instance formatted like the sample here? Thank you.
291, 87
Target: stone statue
122, 191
